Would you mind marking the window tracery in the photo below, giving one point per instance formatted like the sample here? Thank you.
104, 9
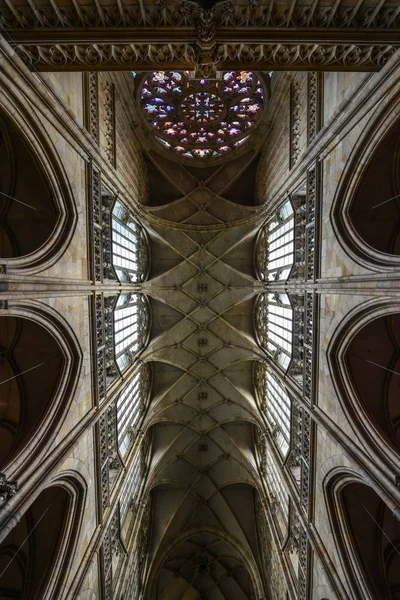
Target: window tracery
131, 326
202, 118
275, 245
274, 326
278, 495
275, 403
129, 246
131, 406
132, 489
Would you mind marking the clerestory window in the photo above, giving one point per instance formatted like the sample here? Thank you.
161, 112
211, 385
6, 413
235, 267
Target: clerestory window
275, 245
131, 323
280, 244
278, 494
130, 492
274, 325
129, 246
276, 404
131, 406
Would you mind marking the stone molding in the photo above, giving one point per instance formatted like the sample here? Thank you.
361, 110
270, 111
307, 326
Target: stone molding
184, 13
205, 61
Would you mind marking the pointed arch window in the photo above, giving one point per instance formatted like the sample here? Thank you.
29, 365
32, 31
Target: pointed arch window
275, 245
132, 489
278, 495
275, 403
129, 246
274, 326
131, 406
131, 325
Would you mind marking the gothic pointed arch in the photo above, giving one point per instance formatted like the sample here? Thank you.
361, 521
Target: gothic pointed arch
40, 366
37, 553
366, 210
367, 535
38, 213
363, 359
203, 559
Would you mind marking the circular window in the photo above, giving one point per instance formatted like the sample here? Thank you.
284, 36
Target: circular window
200, 118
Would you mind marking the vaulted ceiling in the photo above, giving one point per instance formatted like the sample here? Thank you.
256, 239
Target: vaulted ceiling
203, 474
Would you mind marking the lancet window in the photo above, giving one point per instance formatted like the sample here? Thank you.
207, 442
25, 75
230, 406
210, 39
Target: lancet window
274, 325
130, 492
131, 324
202, 118
130, 408
129, 246
278, 494
275, 245
275, 403
132, 489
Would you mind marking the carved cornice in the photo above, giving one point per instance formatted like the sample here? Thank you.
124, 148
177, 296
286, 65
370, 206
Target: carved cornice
180, 34
189, 14
145, 57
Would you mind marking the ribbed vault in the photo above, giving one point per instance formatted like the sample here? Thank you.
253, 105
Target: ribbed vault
202, 476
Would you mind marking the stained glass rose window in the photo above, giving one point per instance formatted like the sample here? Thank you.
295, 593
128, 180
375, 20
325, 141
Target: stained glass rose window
202, 118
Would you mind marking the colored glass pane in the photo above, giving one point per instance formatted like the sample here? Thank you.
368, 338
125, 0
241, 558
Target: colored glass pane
202, 118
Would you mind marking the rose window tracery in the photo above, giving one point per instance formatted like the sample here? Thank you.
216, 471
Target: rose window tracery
202, 118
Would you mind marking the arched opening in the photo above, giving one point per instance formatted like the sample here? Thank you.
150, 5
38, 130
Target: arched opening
373, 362
28, 212
31, 365
375, 210
30, 565
373, 540
203, 565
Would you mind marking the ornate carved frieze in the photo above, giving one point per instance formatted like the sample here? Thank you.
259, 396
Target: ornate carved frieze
92, 104
108, 316
184, 56
260, 443
303, 577
7, 489
312, 210
261, 253
296, 365
295, 122
97, 258
299, 206
115, 534
313, 106
107, 566
102, 200
167, 13
109, 121
293, 544
110, 462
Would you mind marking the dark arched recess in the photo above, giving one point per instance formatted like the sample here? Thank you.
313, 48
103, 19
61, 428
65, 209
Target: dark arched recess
375, 209
28, 211
31, 364
372, 547
373, 362
35, 556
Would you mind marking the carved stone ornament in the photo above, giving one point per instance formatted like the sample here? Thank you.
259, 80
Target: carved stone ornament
185, 13
184, 56
7, 489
